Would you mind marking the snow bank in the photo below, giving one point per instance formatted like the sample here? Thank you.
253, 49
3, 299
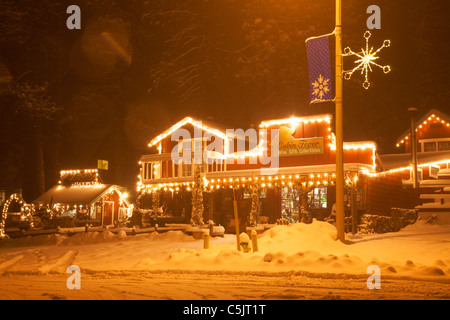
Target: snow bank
91, 237
313, 248
419, 250
315, 236
41, 240
282, 246
170, 235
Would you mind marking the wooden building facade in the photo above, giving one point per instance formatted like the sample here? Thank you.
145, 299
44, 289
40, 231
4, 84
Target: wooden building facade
83, 199
292, 161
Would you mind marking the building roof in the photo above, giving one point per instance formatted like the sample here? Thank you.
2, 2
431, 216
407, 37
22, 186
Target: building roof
295, 120
80, 195
430, 114
213, 128
401, 160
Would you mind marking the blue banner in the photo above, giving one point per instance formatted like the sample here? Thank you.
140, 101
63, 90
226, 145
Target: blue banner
320, 84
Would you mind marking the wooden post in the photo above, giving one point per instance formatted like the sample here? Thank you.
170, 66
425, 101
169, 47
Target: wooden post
254, 235
211, 206
413, 143
206, 237
236, 220
211, 227
353, 208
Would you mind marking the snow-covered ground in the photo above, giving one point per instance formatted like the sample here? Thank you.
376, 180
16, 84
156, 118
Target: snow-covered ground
300, 261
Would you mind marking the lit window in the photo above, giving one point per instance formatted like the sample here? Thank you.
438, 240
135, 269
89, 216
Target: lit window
318, 198
156, 170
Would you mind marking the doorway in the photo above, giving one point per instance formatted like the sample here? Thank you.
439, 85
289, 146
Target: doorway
108, 209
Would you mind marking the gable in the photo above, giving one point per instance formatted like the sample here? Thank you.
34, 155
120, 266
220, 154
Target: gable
196, 123
192, 129
434, 124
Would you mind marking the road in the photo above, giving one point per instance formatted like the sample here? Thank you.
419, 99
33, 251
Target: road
214, 285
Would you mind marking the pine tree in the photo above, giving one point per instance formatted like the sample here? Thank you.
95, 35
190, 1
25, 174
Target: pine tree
197, 199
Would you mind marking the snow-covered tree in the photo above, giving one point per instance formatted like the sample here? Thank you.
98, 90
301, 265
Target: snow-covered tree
303, 188
155, 201
197, 198
255, 205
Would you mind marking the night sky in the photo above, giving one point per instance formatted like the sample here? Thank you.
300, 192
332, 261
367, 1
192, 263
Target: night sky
71, 97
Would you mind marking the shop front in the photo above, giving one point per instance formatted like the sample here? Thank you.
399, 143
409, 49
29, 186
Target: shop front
300, 187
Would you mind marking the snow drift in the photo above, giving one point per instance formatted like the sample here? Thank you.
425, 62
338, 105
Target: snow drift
419, 250
313, 248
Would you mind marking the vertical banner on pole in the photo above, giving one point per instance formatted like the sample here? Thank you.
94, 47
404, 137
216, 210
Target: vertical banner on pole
320, 84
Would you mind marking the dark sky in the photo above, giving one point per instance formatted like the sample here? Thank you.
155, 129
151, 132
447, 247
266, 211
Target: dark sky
137, 67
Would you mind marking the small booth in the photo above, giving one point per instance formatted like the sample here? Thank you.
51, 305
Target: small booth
80, 199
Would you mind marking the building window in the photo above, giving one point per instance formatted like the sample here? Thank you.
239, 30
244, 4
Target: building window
429, 146
289, 204
216, 166
192, 145
156, 170
147, 170
199, 146
443, 145
144, 170
436, 125
318, 198
185, 146
440, 144
187, 170
152, 170
122, 213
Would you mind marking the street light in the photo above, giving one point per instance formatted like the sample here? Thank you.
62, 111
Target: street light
340, 213
412, 111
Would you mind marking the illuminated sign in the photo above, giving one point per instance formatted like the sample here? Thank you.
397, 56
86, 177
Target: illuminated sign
289, 146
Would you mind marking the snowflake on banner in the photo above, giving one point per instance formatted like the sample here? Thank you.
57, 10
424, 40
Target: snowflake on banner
320, 87
366, 60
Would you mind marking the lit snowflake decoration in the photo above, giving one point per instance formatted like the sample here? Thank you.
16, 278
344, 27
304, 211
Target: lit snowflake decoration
366, 61
320, 87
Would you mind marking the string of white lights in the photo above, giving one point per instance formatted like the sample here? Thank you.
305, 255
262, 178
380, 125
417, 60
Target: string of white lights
366, 60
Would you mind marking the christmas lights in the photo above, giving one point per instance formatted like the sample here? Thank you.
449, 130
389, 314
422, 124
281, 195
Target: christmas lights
362, 145
430, 120
400, 169
292, 122
26, 212
244, 182
366, 60
187, 120
295, 120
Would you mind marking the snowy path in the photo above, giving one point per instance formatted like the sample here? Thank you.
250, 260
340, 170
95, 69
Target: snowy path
183, 285
293, 262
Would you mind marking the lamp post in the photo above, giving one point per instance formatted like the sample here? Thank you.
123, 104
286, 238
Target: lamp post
412, 111
340, 214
